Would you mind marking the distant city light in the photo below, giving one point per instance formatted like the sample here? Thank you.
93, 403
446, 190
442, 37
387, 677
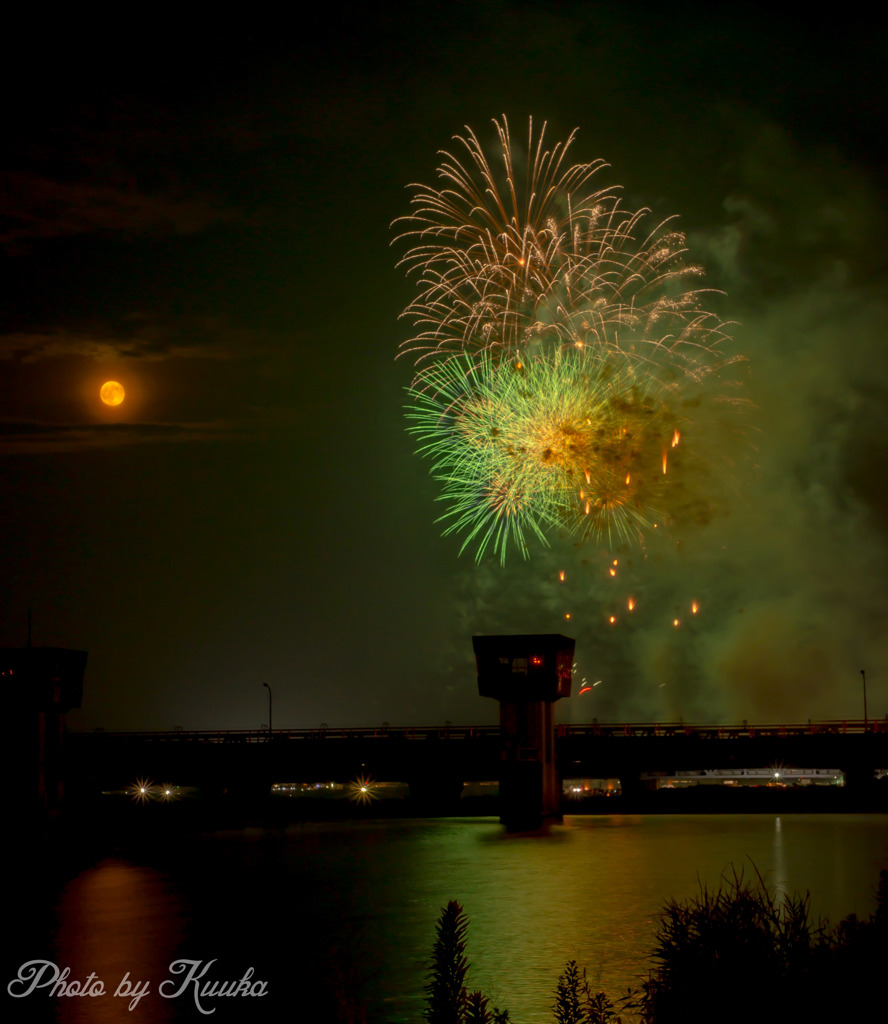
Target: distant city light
361, 790
142, 790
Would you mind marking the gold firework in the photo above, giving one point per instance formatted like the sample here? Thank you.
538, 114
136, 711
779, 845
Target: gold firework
512, 254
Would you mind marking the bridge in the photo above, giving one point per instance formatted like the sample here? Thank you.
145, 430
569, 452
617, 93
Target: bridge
437, 760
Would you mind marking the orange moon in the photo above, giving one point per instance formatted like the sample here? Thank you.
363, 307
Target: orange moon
112, 393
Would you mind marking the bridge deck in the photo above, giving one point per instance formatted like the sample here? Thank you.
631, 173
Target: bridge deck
744, 730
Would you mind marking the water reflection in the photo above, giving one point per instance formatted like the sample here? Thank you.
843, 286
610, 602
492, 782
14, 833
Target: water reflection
329, 911
114, 920
779, 886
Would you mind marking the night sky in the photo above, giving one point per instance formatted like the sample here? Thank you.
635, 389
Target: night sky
204, 216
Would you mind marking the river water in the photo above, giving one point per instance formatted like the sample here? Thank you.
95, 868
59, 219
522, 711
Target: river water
339, 913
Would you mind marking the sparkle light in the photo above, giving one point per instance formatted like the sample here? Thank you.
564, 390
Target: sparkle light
142, 791
362, 790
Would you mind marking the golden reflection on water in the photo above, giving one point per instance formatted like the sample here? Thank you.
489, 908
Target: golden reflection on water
116, 918
367, 895
592, 889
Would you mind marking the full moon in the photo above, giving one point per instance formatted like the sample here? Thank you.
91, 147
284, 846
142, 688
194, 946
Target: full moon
112, 393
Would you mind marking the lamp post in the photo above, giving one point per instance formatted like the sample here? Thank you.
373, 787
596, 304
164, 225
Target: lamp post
267, 687
863, 674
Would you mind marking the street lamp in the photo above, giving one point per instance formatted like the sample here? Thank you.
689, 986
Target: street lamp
267, 687
863, 674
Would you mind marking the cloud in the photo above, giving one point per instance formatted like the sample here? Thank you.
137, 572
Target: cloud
33, 438
36, 207
139, 339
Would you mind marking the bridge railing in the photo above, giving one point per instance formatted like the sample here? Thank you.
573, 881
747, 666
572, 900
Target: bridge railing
742, 730
430, 732
476, 732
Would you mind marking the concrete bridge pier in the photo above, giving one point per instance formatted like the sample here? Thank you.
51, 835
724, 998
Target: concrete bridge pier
526, 674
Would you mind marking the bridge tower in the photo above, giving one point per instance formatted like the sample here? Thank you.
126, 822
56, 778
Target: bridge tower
40, 684
526, 673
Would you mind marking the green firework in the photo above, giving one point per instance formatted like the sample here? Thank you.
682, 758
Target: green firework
584, 442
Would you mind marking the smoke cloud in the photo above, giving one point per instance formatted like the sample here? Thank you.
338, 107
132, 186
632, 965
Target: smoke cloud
788, 571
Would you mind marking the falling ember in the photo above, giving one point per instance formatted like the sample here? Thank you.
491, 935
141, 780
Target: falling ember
612, 619
628, 478
676, 437
567, 615
561, 575
613, 572
694, 607
631, 604
664, 460
588, 477
675, 622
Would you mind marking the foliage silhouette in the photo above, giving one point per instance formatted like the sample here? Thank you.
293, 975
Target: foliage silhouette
732, 955
575, 1003
447, 1001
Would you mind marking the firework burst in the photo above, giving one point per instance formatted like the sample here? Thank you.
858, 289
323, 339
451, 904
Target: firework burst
510, 261
577, 442
559, 347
